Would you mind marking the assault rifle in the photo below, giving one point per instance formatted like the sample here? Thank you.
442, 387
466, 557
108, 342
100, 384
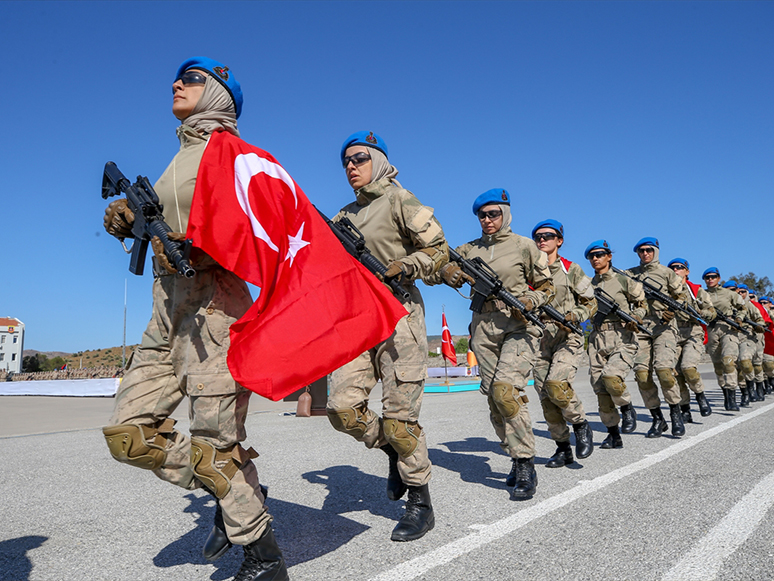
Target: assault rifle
148, 221
653, 293
749, 321
727, 320
487, 284
354, 243
552, 313
606, 306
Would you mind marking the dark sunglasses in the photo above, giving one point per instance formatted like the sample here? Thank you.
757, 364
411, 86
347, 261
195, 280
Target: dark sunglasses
544, 236
598, 254
711, 276
491, 214
357, 160
648, 249
678, 267
192, 78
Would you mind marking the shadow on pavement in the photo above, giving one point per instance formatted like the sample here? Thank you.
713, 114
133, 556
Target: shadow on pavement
14, 563
470, 467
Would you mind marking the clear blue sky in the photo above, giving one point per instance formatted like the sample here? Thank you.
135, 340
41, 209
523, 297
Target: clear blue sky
620, 119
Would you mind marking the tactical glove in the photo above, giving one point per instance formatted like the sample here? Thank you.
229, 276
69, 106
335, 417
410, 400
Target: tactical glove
632, 325
527, 302
161, 256
667, 316
397, 269
759, 329
119, 219
453, 275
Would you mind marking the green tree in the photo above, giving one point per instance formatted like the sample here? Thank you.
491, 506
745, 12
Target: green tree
760, 286
30, 364
461, 346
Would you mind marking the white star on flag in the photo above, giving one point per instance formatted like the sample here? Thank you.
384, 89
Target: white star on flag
295, 243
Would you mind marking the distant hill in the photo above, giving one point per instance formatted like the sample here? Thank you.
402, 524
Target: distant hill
110, 356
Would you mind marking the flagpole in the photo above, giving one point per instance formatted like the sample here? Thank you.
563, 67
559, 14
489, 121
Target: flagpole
123, 347
445, 373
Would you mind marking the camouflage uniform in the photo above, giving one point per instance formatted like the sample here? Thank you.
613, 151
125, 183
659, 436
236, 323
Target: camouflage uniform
690, 343
750, 363
560, 350
723, 340
768, 353
612, 347
658, 353
183, 353
396, 227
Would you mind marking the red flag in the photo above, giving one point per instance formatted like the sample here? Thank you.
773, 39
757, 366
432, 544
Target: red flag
318, 307
694, 288
447, 349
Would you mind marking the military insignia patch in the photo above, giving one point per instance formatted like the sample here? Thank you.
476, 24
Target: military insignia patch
222, 72
370, 137
505, 196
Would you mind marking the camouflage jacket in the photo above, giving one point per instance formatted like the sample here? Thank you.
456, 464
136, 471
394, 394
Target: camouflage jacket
627, 293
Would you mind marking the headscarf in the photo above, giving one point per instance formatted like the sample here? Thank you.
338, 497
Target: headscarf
214, 110
380, 166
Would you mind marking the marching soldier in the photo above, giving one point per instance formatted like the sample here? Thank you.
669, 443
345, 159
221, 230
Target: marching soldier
690, 343
723, 339
658, 353
768, 350
561, 349
750, 347
613, 344
404, 235
505, 343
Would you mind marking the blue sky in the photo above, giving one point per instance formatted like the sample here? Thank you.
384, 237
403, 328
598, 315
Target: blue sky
620, 119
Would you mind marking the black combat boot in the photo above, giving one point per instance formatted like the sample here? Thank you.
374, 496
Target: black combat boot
760, 388
628, 419
562, 456
395, 486
769, 384
745, 399
751, 390
613, 439
418, 518
732, 400
685, 411
263, 560
704, 406
659, 425
510, 480
217, 542
584, 439
676, 417
526, 479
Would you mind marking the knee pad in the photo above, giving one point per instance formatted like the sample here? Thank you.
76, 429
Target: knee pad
614, 385
666, 377
729, 365
606, 404
352, 421
504, 397
215, 468
692, 375
560, 392
403, 436
642, 377
494, 413
551, 412
758, 370
746, 366
768, 368
139, 445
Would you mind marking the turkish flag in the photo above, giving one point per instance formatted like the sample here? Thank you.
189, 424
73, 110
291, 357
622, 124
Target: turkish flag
768, 336
447, 349
318, 308
694, 288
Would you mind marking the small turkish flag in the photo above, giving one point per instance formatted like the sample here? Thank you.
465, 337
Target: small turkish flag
319, 308
447, 349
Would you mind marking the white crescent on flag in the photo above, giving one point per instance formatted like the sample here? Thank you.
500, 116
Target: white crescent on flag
247, 165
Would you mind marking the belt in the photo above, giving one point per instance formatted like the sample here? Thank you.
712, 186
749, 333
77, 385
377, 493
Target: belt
492, 305
612, 326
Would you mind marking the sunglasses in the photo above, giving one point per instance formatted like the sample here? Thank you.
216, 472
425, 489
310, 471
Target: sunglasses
192, 78
544, 236
598, 254
646, 250
711, 277
357, 160
678, 267
491, 214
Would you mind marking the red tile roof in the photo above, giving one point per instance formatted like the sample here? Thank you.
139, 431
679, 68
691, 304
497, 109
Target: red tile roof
8, 322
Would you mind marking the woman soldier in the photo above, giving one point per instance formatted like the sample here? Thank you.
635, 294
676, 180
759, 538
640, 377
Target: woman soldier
404, 235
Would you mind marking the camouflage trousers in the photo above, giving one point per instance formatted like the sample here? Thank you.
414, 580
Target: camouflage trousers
506, 350
612, 350
183, 353
554, 373
723, 349
657, 355
748, 346
401, 363
758, 357
690, 348
768, 365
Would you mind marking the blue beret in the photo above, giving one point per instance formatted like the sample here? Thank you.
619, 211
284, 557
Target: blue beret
494, 196
682, 261
711, 270
549, 224
743, 286
647, 241
596, 245
730, 284
220, 73
765, 300
367, 138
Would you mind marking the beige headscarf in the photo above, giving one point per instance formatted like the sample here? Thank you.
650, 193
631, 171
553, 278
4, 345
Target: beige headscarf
380, 167
214, 111
506, 210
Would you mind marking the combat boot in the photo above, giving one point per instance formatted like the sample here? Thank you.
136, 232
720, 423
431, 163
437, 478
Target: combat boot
526, 479
613, 439
676, 417
704, 406
584, 439
732, 400
685, 411
217, 542
659, 425
418, 518
769, 384
745, 399
395, 486
263, 560
628, 419
761, 390
751, 391
562, 456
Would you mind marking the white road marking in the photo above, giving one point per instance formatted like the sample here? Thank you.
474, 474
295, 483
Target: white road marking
706, 558
419, 565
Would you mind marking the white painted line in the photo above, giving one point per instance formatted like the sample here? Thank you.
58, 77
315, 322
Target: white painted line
706, 558
497, 530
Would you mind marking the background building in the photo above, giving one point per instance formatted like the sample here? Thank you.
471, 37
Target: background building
11, 344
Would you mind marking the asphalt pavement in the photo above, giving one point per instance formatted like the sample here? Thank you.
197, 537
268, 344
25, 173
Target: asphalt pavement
690, 508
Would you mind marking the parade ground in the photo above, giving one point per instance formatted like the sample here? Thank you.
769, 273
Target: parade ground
693, 508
